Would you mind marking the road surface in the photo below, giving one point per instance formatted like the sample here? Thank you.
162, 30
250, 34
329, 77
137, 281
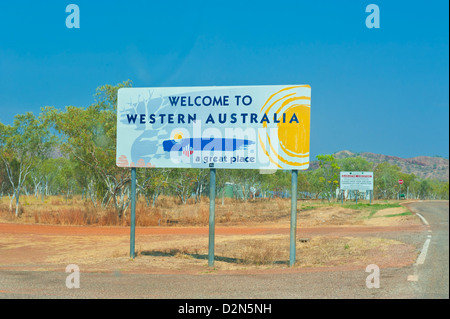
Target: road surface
432, 267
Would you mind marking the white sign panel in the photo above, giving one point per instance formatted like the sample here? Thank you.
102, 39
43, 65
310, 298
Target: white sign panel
362, 181
242, 127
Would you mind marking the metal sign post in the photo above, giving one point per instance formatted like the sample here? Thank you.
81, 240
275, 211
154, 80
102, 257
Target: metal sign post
133, 211
292, 247
212, 204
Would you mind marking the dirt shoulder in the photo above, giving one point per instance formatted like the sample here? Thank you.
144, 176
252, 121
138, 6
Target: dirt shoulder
327, 238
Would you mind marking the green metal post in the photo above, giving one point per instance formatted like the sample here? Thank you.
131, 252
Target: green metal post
212, 204
133, 211
356, 197
292, 247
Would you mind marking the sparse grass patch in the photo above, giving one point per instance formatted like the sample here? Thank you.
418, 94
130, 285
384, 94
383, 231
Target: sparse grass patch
322, 251
371, 214
259, 252
373, 208
401, 214
269, 251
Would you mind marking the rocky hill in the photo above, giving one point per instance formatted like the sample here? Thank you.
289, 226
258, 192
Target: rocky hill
421, 166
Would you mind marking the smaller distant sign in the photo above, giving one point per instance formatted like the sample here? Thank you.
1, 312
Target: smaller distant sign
362, 181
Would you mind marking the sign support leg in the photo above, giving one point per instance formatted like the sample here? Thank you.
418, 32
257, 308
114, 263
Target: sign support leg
133, 211
292, 247
212, 202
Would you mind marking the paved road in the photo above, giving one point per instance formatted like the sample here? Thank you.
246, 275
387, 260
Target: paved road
426, 280
432, 275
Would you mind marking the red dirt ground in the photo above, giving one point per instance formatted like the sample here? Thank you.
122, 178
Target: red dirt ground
229, 230
106, 249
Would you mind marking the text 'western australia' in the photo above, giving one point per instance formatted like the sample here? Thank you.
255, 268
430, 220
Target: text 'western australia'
190, 116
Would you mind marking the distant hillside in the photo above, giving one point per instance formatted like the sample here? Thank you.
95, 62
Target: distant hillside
421, 166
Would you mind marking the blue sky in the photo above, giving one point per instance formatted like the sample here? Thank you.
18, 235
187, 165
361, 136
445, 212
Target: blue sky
373, 90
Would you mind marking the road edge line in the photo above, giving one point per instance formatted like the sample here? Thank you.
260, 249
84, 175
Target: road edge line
423, 254
423, 219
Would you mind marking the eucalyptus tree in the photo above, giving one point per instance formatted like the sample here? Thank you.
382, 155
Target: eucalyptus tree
23, 146
152, 182
182, 182
355, 164
329, 172
386, 178
88, 136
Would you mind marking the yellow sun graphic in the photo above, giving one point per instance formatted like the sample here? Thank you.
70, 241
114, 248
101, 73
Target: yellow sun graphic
293, 135
177, 136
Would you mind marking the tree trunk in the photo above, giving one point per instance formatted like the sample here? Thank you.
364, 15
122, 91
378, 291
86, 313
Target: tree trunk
17, 203
155, 197
11, 201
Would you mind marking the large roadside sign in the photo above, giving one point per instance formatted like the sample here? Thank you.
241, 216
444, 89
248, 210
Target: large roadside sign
241, 127
362, 181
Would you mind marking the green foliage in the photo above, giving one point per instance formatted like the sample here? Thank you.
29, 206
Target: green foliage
355, 164
329, 174
386, 180
153, 182
183, 183
23, 146
401, 214
88, 137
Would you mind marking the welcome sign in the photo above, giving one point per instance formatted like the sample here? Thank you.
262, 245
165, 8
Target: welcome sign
241, 127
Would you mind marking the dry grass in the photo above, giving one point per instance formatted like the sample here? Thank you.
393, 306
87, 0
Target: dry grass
261, 252
273, 250
56, 210
322, 251
169, 211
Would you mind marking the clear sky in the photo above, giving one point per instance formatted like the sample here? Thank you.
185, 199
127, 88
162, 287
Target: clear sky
382, 90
